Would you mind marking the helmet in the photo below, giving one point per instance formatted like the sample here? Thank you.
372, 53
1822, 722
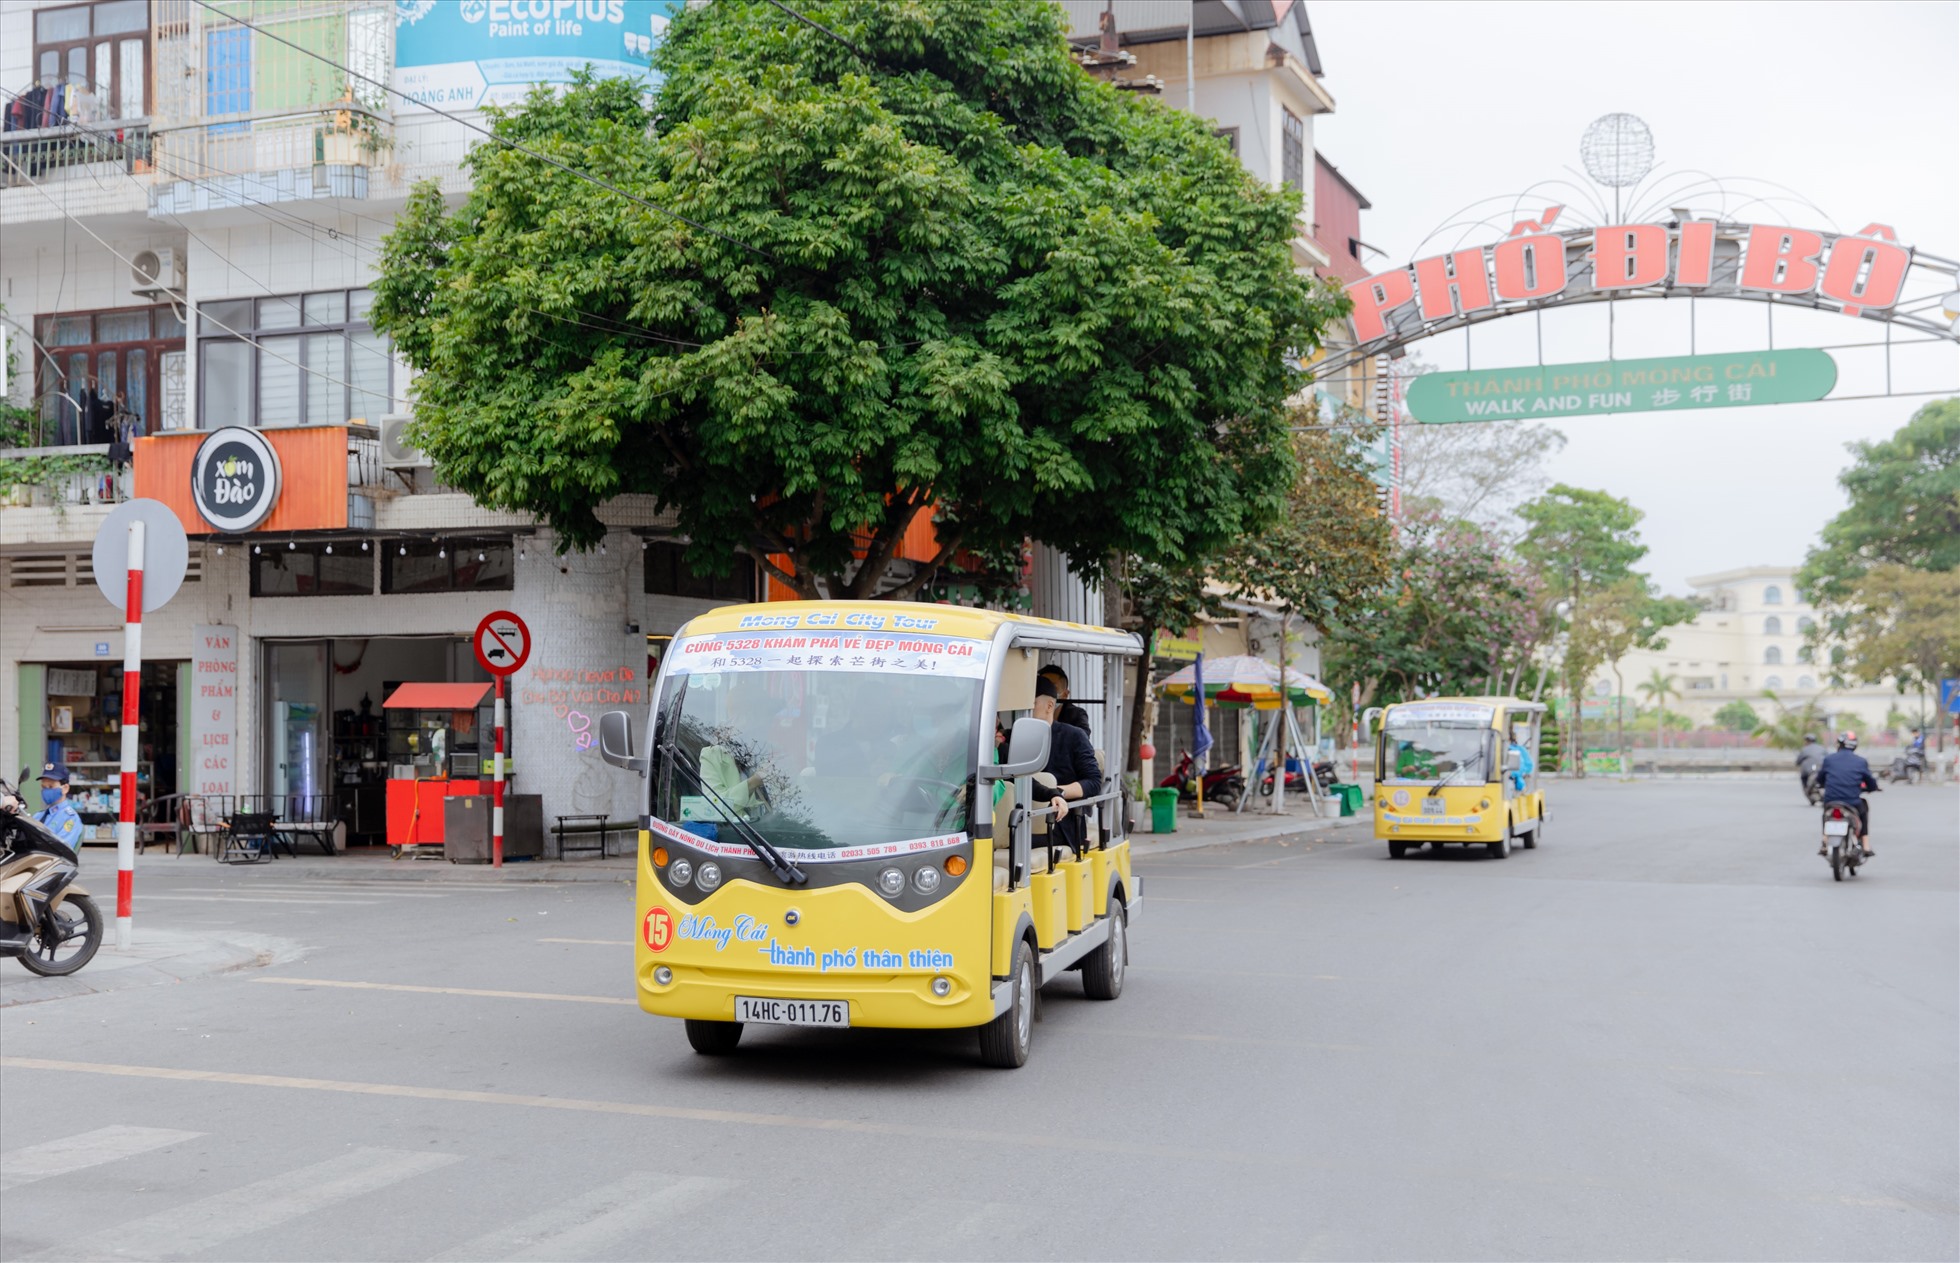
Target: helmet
1847, 740
1810, 738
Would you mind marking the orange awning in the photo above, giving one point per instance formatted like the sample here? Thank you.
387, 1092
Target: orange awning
436, 697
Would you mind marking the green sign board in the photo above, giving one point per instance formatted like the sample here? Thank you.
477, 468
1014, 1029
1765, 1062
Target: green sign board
1685, 383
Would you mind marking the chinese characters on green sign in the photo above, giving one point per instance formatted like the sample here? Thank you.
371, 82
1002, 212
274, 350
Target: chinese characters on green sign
1684, 383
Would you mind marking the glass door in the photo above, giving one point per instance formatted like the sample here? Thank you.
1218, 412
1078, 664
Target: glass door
296, 701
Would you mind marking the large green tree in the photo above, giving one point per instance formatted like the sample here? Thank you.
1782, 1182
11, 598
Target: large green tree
1584, 544
926, 265
1904, 510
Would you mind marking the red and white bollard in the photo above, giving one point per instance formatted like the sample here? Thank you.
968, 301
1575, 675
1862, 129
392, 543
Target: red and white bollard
132, 732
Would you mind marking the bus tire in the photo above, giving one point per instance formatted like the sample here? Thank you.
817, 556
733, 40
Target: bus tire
713, 1039
1102, 969
1530, 840
1004, 1042
1501, 849
1396, 850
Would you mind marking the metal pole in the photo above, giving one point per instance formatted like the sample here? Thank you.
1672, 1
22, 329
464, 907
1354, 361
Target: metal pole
1191, 59
497, 787
132, 731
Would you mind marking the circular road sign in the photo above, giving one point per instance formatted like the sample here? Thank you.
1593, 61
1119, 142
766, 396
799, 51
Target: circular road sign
503, 643
235, 478
166, 553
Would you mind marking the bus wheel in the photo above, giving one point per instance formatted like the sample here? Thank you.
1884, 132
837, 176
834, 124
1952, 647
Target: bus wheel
1501, 849
1102, 969
1004, 1041
713, 1039
1396, 850
1530, 840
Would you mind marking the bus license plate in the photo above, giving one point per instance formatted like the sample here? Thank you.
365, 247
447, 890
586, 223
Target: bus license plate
1433, 805
1836, 828
750, 1008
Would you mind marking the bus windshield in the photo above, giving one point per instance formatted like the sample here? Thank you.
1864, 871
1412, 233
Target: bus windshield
1428, 750
814, 756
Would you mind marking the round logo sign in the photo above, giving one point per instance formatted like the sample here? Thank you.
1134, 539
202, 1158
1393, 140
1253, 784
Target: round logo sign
235, 478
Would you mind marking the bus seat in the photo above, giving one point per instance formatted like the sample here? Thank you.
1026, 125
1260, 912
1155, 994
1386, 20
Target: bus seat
1037, 863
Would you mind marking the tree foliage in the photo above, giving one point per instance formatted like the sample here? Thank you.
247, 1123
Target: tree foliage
954, 274
1329, 547
1458, 614
1738, 716
1900, 623
1904, 510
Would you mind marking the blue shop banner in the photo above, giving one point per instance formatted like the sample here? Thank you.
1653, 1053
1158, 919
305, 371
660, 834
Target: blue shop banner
462, 54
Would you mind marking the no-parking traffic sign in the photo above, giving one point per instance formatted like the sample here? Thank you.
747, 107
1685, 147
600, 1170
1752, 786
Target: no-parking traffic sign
502, 643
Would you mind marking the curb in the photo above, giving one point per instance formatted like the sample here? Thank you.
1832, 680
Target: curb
1291, 831
215, 956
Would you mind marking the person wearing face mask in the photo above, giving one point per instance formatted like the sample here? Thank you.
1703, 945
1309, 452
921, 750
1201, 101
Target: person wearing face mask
57, 813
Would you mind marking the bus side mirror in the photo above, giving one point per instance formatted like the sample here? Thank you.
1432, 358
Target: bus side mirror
616, 742
1027, 750
1513, 760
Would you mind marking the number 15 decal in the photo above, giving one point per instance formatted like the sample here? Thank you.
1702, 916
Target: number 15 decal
659, 929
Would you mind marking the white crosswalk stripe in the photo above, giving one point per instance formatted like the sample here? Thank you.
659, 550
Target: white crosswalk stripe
934, 1228
194, 1227
77, 1153
598, 1224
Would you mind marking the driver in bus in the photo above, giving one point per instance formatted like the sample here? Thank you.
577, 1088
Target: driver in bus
745, 738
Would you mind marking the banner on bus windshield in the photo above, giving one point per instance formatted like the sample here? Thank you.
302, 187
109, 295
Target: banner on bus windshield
1439, 713
797, 855
902, 653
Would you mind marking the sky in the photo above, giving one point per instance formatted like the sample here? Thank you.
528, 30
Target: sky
1856, 107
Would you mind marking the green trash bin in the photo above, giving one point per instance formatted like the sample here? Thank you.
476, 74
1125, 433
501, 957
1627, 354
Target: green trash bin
1163, 810
1351, 799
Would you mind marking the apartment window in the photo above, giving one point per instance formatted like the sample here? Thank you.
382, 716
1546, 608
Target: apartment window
1806, 682
1805, 623
312, 570
668, 574
448, 565
1773, 682
298, 359
1772, 595
117, 354
1772, 626
1806, 654
1292, 150
1773, 655
101, 50
1230, 135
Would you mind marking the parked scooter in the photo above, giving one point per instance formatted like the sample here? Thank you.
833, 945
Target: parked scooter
1296, 780
47, 921
1223, 785
1909, 767
1841, 845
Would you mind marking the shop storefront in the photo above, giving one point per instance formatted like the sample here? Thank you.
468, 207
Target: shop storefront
71, 713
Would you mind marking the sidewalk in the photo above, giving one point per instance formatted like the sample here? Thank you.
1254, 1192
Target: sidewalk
155, 957
1255, 824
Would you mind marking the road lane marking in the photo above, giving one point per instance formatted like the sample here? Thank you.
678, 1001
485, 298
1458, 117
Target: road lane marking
195, 1227
77, 1153
475, 991
642, 1109
311, 888
330, 903
592, 942
595, 1224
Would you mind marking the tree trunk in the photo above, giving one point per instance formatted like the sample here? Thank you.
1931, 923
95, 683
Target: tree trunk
1143, 698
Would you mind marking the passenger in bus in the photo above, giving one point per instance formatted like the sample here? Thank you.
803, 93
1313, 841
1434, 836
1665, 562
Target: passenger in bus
1519, 735
1066, 711
1071, 761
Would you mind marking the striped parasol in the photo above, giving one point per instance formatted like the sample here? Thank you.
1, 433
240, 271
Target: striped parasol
1243, 680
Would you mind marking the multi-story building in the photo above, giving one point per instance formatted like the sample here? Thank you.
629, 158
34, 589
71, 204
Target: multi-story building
192, 202
1750, 639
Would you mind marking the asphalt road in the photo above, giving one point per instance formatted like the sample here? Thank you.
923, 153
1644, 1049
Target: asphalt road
1664, 1034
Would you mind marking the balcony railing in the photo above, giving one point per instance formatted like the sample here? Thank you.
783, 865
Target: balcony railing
76, 151
61, 477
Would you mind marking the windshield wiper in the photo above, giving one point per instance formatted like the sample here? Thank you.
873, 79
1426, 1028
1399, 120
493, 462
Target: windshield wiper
782, 868
1437, 788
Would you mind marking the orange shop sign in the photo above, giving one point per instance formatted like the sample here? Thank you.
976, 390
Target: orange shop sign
311, 497
1856, 273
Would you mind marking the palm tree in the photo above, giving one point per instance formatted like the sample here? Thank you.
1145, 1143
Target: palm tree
1792, 723
1659, 689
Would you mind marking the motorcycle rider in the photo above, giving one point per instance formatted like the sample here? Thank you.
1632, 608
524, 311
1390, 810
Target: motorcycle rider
57, 813
1808, 758
1846, 778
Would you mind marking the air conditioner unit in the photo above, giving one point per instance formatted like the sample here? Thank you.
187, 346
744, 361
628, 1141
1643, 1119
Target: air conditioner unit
396, 451
154, 273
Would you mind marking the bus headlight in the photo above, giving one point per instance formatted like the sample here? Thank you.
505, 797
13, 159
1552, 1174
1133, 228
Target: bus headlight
926, 880
708, 877
891, 883
942, 987
662, 975
681, 873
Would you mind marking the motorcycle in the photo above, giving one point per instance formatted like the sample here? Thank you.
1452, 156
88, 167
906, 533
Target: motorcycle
1909, 767
1813, 782
1841, 845
47, 921
1296, 780
1223, 785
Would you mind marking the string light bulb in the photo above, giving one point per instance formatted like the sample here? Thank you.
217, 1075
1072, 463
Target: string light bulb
479, 554
329, 550
290, 545
255, 550
221, 550
403, 550
364, 545
441, 551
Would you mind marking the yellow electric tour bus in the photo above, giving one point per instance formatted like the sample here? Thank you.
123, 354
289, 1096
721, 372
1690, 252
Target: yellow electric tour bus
842, 822
1459, 771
